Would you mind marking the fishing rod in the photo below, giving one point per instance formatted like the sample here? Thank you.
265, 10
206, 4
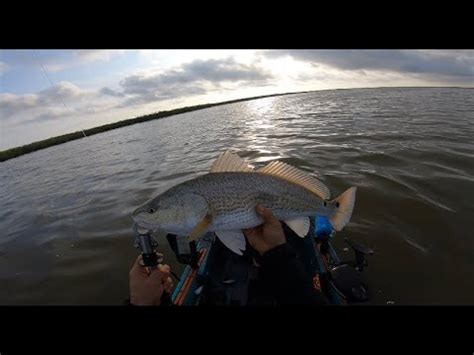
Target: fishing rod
143, 241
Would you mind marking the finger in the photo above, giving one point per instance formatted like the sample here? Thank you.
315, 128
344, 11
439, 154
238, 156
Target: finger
165, 269
157, 276
265, 213
252, 235
160, 257
249, 232
168, 285
255, 239
161, 273
255, 236
138, 261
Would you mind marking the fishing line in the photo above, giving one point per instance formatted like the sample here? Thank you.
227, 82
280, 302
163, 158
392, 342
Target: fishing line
77, 204
52, 83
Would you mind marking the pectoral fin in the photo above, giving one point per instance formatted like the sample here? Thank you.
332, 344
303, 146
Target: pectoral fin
201, 228
234, 240
299, 225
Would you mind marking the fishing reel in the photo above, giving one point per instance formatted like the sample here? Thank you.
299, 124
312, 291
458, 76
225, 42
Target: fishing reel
147, 246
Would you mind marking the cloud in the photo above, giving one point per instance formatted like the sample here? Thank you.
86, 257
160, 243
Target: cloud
11, 104
79, 57
52, 68
48, 114
212, 70
47, 104
57, 60
456, 63
171, 92
194, 78
62, 91
87, 56
110, 92
3, 67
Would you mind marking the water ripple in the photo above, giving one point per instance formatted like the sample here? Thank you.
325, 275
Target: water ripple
65, 211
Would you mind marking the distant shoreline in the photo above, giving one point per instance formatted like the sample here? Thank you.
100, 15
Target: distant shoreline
32, 147
49, 142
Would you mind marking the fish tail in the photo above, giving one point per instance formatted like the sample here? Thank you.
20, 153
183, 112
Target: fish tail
344, 204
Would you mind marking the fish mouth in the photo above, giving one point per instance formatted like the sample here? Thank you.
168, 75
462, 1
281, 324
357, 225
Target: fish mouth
138, 222
146, 225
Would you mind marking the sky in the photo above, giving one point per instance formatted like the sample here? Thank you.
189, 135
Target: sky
45, 93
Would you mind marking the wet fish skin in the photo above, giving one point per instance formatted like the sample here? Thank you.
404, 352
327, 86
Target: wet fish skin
230, 199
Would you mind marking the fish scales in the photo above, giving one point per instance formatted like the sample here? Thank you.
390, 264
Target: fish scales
232, 197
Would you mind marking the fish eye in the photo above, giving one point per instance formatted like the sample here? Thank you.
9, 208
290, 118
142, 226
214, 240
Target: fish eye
325, 203
337, 204
151, 210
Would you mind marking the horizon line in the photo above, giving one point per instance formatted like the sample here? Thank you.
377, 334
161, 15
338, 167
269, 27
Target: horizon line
210, 104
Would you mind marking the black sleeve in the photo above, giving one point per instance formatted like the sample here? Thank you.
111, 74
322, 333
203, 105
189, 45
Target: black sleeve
285, 277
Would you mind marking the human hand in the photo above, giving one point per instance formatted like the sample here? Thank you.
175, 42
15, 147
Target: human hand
146, 288
267, 235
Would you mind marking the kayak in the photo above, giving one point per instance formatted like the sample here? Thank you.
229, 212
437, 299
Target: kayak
214, 275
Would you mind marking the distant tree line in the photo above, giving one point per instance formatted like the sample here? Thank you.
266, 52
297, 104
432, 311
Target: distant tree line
25, 149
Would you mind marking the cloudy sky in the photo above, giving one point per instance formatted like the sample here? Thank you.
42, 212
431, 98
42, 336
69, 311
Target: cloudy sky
44, 93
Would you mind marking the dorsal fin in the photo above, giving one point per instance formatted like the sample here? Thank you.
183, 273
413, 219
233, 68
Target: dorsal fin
230, 162
297, 176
